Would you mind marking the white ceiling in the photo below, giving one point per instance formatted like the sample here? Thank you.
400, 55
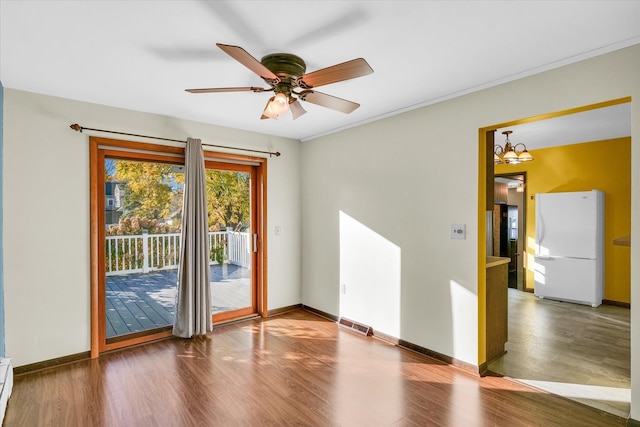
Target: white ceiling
592, 125
141, 55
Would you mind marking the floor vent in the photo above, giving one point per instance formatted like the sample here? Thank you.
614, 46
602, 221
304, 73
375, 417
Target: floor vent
354, 326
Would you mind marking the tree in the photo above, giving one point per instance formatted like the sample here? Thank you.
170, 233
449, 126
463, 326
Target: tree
154, 191
228, 197
151, 189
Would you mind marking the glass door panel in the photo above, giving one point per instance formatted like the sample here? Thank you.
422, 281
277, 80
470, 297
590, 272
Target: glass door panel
230, 208
142, 222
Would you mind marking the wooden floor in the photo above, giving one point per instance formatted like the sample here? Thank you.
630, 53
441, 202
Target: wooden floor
292, 369
141, 301
574, 350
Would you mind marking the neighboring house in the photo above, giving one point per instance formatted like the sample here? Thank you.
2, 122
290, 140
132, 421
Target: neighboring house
113, 201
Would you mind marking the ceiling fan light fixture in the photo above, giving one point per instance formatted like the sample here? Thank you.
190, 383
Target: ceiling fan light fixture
279, 104
268, 111
296, 109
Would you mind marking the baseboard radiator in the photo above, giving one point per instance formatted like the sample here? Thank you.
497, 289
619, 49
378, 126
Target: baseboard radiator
354, 326
6, 386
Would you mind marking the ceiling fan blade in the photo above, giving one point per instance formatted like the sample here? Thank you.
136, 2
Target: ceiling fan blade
243, 57
336, 73
328, 101
227, 89
296, 109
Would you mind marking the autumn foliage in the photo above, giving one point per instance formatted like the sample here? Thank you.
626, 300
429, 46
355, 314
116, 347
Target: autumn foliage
135, 225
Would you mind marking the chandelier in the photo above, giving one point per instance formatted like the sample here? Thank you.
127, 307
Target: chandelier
509, 154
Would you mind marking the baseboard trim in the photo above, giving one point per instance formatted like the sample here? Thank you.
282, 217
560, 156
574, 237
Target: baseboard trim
472, 369
467, 367
51, 363
282, 310
232, 321
320, 313
483, 369
388, 338
475, 370
616, 303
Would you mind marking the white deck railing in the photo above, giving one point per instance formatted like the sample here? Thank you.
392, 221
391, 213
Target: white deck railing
145, 252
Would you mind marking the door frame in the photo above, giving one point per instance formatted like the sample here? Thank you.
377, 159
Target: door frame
98, 146
210, 164
485, 188
522, 231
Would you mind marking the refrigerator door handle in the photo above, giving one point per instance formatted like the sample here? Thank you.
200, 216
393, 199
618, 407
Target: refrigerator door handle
539, 225
552, 257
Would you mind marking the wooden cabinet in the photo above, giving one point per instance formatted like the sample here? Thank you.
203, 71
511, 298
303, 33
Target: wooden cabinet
496, 306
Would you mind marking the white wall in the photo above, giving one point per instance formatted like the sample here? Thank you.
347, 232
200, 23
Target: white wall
46, 215
410, 176
2, 341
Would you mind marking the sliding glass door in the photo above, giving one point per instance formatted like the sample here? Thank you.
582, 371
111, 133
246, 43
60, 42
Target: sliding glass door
136, 223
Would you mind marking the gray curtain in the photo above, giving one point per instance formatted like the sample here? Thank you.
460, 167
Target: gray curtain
193, 300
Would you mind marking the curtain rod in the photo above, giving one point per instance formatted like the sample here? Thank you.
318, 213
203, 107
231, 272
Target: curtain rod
79, 128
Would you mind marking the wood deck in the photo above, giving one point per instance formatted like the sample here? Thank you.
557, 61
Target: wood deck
136, 302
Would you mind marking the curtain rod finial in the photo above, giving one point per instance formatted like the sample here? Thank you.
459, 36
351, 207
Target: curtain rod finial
76, 127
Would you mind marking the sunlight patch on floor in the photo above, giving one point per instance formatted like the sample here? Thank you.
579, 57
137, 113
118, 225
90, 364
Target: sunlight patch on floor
611, 399
611, 394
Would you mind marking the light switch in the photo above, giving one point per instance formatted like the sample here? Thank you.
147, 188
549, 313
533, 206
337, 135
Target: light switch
458, 231
278, 230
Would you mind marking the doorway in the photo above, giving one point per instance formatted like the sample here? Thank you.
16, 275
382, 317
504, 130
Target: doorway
558, 335
509, 219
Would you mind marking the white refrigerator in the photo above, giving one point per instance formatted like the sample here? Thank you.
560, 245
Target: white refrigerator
569, 247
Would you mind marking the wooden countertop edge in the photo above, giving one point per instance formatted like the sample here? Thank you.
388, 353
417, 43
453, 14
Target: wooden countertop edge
494, 261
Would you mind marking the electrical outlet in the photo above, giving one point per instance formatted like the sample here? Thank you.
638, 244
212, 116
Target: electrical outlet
343, 288
458, 231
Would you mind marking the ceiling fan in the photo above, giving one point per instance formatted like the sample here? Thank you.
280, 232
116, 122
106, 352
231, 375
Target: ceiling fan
285, 74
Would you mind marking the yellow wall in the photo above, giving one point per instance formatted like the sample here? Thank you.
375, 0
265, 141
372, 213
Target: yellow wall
601, 165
